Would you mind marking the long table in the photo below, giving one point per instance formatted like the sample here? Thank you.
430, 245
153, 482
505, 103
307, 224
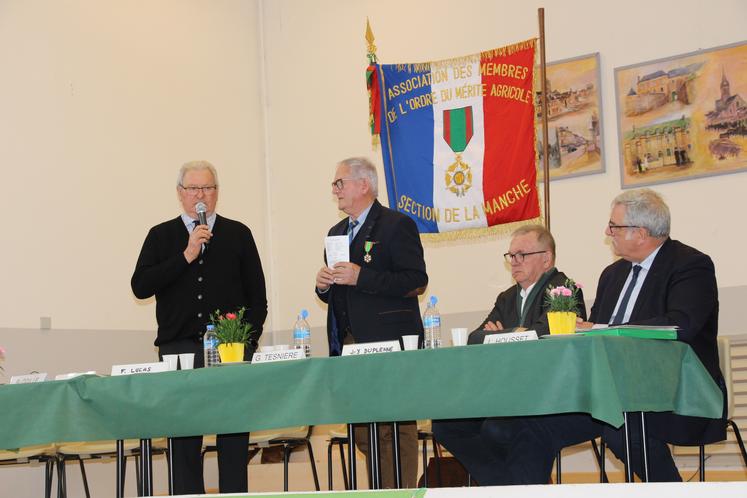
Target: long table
602, 376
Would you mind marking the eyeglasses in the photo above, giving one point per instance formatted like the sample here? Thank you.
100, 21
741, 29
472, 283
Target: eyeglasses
519, 256
614, 227
339, 184
205, 190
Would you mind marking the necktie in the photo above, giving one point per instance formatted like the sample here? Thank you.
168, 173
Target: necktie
351, 230
618, 319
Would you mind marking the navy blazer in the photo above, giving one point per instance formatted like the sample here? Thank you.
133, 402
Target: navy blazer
383, 305
680, 289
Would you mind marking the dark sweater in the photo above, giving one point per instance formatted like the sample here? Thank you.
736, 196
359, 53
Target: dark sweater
226, 277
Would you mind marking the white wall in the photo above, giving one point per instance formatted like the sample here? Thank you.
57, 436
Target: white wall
103, 100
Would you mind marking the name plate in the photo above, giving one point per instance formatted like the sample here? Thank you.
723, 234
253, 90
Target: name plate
72, 375
28, 378
281, 355
371, 348
138, 368
526, 335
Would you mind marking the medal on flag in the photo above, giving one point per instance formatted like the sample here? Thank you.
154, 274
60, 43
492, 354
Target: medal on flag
458, 131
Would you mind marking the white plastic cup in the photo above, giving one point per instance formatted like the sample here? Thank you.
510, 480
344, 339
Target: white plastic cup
281, 347
459, 336
410, 342
171, 360
264, 349
186, 361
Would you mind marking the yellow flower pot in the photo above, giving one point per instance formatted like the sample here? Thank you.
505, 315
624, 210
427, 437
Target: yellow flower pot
231, 352
561, 322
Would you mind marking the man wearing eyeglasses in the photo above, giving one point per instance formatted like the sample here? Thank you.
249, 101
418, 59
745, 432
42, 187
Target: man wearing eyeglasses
373, 297
531, 258
194, 269
492, 449
659, 281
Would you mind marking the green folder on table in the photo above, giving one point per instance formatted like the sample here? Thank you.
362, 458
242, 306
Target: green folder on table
639, 331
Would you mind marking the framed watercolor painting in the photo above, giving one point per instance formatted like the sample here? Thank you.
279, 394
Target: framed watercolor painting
574, 118
683, 117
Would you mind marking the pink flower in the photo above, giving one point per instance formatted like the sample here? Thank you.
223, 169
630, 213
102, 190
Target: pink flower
566, 292
2, 352
231, 316
579, 285
555, 292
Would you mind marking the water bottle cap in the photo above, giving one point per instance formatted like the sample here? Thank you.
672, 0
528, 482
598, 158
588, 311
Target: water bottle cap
434, 300
211, 327
304, 314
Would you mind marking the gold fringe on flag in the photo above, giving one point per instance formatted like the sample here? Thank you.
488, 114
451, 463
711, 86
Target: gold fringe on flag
476, 233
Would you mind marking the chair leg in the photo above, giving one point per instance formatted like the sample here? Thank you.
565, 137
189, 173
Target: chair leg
344, 466
425, 462
48, 475
701, 458
61, 481
329, 466
313, 464
557, 469
739, 440
286, 459
437, 456
85, 479
599, 452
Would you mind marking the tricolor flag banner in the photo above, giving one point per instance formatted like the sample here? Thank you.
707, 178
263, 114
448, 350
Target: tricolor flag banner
458, 139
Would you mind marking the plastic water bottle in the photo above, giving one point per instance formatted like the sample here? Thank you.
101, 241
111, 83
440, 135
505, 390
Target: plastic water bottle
432, 325
302, 334
210, 347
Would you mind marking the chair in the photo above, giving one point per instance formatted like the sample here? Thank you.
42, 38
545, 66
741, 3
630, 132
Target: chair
289, 438
724, 354
425, 434
338, 436
99, 450
45, 453
598, 454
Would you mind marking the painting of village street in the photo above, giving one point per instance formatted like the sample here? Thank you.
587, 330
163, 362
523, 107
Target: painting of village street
683, 117
574, 118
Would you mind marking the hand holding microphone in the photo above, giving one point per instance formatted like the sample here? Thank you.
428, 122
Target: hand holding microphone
200, 236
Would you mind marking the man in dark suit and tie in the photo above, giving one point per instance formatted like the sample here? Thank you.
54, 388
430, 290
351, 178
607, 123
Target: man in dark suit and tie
494, 450
659, 281
373, 297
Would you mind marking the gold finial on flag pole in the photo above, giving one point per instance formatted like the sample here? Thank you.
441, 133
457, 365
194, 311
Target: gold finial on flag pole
371, 45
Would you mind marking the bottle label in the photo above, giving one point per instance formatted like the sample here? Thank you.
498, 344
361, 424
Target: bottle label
300, 334
431, 321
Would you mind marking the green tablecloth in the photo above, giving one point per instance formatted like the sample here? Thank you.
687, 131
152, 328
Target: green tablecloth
603, 376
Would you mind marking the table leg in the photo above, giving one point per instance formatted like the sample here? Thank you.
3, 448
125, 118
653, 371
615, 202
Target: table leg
170, 464
373, 455
120, 469
396, 456
146, 468
351, 458
644, 447
628, 466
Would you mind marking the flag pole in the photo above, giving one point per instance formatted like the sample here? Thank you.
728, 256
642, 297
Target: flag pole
545, 133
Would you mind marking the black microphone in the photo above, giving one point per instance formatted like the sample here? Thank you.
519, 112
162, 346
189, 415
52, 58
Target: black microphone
201, 209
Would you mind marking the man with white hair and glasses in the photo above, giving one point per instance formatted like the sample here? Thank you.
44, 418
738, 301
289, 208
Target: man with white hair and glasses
194, 269
659, 281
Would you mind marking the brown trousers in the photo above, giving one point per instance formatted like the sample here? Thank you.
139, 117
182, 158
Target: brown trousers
408, 444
